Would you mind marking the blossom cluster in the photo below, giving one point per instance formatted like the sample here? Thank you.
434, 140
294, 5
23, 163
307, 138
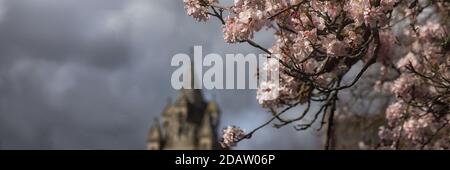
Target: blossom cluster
419, 118
231, 135
198, 9
318, 41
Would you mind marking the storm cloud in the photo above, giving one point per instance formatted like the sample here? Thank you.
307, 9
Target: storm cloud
79, 74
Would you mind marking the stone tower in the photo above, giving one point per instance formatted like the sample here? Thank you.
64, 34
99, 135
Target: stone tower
190, 123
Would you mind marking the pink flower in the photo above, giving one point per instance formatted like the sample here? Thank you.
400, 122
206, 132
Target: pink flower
394, 112
310, 35
337, 48
243, 26
273, 7
198, 9
318, 22
356, 10
413, 128
332, 8
352, 38
410, 58
267, 94
431, 30
231, 135
370, 17
235, 31
302, 46
402, 87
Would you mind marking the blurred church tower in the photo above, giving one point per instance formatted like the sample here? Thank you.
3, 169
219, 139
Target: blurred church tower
190, 123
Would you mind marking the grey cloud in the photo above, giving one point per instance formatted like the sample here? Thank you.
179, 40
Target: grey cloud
59, 31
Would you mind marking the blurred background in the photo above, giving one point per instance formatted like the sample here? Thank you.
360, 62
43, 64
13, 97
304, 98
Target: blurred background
93, 74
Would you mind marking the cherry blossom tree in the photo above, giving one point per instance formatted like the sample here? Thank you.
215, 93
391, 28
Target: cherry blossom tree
318, 42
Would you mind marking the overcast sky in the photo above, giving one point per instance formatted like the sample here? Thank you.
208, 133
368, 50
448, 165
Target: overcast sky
92, 74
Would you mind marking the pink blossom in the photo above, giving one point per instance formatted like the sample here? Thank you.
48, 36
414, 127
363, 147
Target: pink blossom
268, 91
337, 48
318, 22
402, 87
356, 10
410, 58
235, 31
431, 30
413, 128
243, 26
352, 38
310, 35
273, 7
267, 94
198, 9
332, 9
394, 112
231, 135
